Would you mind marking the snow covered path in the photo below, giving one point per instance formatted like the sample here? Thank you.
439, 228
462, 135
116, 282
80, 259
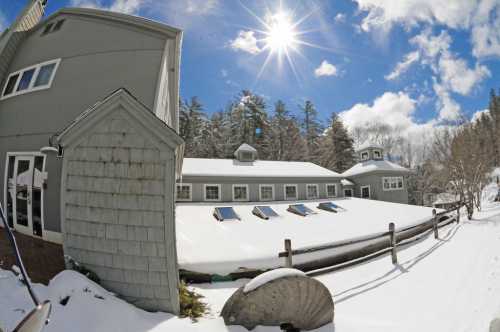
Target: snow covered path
446, 285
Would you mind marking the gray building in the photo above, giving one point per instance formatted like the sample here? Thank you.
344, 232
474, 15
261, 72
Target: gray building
375, 178
89, 150
246, 178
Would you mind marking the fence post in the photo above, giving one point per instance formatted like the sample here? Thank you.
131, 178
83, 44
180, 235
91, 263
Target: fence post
458, 213
392, 235
288, 250
435, 224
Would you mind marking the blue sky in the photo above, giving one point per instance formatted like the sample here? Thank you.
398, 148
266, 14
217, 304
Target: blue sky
413, 63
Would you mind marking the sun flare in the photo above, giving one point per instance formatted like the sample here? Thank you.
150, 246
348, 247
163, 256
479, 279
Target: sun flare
281, 33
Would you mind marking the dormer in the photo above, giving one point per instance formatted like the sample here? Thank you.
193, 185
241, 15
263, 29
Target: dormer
245, 153
371, 153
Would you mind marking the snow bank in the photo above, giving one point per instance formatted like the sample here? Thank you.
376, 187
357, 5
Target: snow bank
208, 246
269, 276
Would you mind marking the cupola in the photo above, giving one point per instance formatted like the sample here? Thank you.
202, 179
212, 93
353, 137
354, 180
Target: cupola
370, 153
246, 153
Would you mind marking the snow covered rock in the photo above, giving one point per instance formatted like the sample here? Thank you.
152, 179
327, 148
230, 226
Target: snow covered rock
284, 296
495, 325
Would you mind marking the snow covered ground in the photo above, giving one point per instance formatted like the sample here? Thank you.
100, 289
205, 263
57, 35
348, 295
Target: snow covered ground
207, 245
446, 285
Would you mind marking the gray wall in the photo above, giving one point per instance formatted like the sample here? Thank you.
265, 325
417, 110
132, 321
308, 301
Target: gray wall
226, 183
90, 69
374, 180
119, 215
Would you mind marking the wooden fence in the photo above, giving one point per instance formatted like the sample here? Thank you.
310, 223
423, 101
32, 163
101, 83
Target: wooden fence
354, 251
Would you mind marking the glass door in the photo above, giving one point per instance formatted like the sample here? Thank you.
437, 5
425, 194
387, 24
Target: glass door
21, 190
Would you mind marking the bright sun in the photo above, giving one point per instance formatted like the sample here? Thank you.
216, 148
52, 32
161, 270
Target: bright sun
281, 34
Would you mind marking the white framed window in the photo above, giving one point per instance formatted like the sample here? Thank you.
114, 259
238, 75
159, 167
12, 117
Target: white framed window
212, 192
291, 192
377, 154
331, 190
266, 192
364, 155
184, 192
240, 192
365, 191
312, 191
33, 78
392, 183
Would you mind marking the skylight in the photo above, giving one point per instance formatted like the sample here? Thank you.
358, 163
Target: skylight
264, 212
300, 209
328, 206
225, 213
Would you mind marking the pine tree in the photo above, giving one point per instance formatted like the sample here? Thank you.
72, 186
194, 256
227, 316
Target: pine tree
192, 122
494, 111
336, 150
312, 129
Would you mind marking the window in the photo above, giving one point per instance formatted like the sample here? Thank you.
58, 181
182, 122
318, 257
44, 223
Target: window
312, 191
365, 192
266, 192
300, 209
264, 212
348, 192
225, 213
331, 190
183, 192
392, 183
58, 25
53, 27
377, 154
291, 192
240, 192
47, 29
328, 206
246, 156
212, 192
30, 79
364, 155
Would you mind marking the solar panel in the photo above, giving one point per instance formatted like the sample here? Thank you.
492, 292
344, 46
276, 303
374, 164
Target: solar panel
328, 206
225, 213
300, 209
264, 212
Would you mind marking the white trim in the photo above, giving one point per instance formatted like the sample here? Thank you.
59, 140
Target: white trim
307, 190
190, 192
369, 191
391, 179
336, 189
241, 199
296, 192
205, 192
260, 192
31, 87
348, 189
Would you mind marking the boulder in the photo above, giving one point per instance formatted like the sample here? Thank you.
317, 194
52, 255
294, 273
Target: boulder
495, 325
294, 301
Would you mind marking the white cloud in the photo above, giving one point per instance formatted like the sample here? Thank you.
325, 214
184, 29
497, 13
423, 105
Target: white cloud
340, 18
458, 76
200, 7
482, 17
448, 109
121, 6
246, 42
224, 72
404, 65
430, 45
326, 69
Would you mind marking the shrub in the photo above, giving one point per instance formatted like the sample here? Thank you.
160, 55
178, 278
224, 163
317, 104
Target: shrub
191, 304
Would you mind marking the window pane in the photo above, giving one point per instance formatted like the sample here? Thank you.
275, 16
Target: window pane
301, 208
47, 28
291, 192
240, 193
183, 192
212, 192
227, 213
331, 190
312, 191
58, 25
44, 75
400, 182
266, 193
25, 81
11, 84
268, 211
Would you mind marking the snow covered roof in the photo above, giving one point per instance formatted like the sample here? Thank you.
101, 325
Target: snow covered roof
257, 168
245, 147
346, 182
252, 242
368, 145
374, 166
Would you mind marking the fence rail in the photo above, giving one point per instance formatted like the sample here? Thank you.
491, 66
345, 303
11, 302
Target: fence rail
352, 251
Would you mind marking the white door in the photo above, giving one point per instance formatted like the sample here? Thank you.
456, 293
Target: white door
21, 191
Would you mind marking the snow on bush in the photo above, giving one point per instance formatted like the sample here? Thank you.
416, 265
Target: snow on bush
270, 276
